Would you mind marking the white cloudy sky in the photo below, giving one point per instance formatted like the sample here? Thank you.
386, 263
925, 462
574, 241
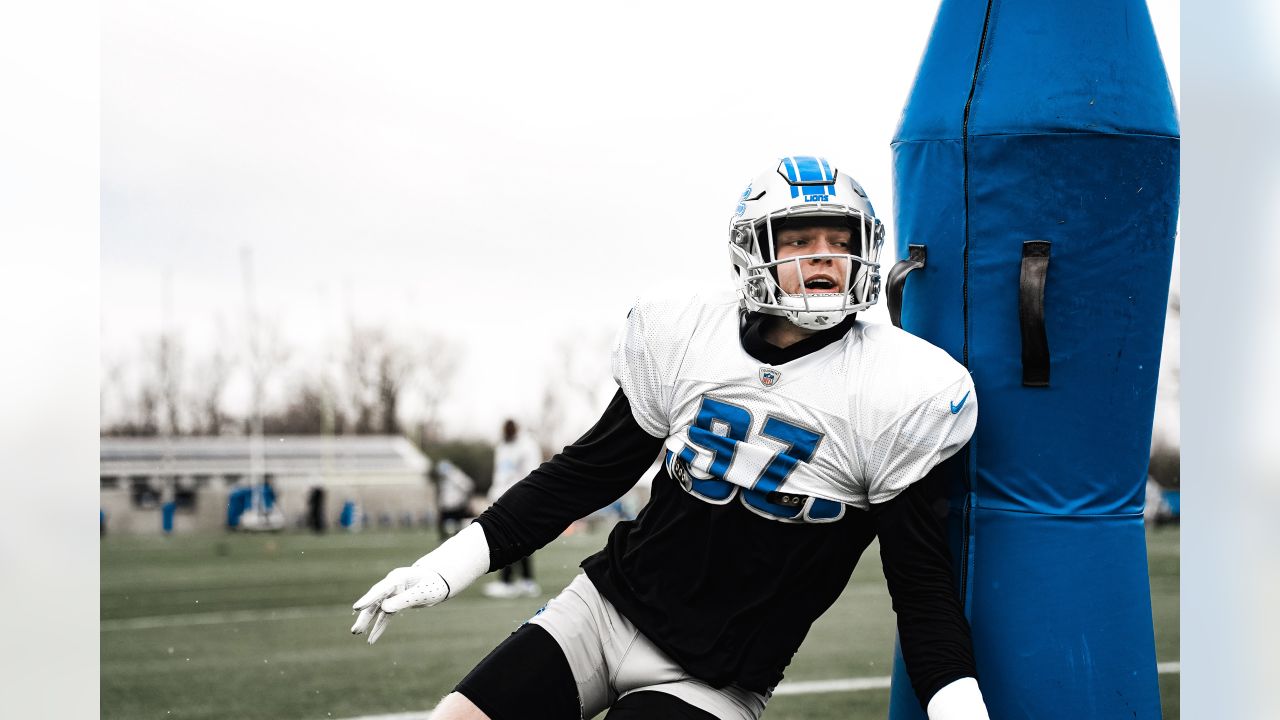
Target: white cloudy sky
507, 174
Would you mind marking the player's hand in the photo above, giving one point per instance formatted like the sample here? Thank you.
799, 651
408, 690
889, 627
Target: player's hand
434, 578
402, 588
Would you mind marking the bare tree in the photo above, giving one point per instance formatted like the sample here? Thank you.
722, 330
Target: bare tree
393, 368
577, 387
148, 411
209, 381
140, 415
153, 406
127, 408
436, 361
376, 369
306, 411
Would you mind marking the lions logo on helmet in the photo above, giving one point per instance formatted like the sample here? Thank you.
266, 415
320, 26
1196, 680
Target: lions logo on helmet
799, 188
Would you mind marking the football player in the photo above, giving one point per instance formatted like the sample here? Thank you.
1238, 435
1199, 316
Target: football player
792, 435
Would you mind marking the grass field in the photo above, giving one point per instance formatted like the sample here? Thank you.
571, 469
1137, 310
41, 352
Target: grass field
247, 626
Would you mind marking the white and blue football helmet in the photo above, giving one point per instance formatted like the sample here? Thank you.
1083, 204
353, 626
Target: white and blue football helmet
798, 188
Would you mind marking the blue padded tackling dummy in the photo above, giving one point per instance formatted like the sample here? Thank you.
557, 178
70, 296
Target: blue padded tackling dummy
1036, 181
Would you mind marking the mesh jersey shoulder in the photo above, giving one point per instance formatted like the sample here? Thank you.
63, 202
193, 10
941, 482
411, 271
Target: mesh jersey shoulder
650, 349
912, 406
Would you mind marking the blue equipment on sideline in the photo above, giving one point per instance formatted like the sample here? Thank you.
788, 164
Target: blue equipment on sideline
166, 516
349, 516
237, 502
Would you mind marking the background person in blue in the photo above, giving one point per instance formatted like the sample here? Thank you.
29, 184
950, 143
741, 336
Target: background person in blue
791, 435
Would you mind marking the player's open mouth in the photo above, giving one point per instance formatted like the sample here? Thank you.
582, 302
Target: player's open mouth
821, 284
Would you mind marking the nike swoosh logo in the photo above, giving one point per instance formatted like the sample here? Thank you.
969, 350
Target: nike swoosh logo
955, 407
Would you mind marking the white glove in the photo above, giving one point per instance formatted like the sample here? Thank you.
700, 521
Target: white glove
958, 700
434, 578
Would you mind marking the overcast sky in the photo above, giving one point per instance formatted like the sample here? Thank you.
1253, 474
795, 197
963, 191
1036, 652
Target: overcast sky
505, 174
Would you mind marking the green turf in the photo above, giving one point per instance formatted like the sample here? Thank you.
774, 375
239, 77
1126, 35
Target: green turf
279, 646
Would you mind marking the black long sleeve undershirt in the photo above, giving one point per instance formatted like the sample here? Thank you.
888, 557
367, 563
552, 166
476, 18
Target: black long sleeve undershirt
595, 470
937, 647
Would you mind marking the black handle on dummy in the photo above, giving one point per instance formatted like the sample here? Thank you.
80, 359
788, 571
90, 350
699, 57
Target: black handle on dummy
1035, 342
917, 256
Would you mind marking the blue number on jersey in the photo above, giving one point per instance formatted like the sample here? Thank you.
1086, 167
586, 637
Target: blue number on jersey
718, 428
801, 446
733, 424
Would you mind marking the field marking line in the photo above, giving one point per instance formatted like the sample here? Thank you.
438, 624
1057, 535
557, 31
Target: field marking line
824, 686
787, 688
422, 715
152, 622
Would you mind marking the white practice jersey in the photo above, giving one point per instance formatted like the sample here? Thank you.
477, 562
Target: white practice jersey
853, 423
512, 461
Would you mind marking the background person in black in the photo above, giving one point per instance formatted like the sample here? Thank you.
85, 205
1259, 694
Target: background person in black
712, 588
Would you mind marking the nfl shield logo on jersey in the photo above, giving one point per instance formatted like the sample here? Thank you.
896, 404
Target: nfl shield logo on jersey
769, 377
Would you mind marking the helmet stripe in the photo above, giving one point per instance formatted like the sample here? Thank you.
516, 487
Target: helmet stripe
810, 170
